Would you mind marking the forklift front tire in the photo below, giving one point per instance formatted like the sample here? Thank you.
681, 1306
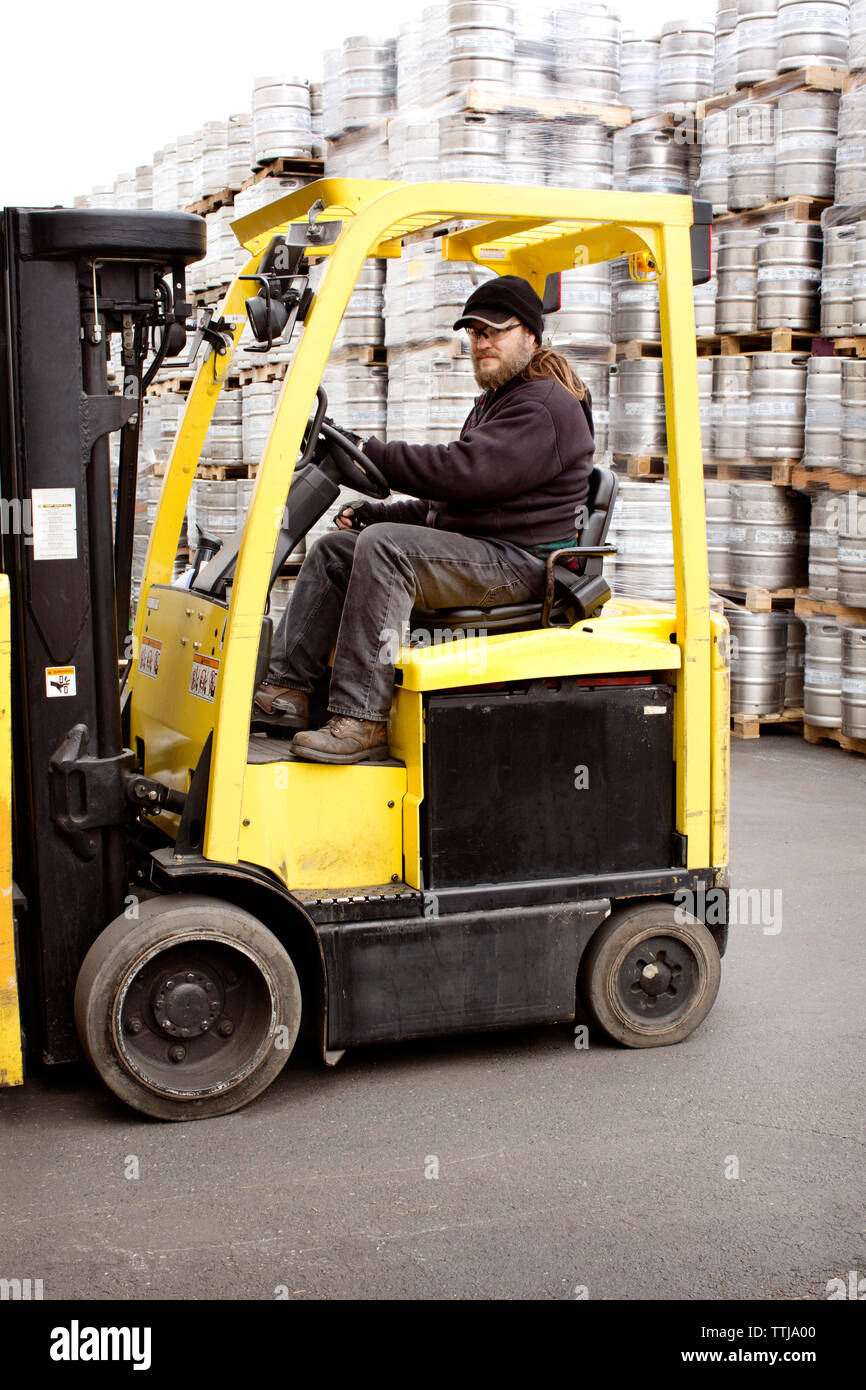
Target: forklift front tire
188, 1011
650, 975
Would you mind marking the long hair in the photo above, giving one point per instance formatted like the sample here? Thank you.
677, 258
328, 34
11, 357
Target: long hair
544, 362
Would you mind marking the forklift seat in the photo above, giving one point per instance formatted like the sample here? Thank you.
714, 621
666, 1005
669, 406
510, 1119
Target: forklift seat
576, 596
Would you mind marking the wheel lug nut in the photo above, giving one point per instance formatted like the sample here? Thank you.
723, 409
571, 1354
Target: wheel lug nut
177, 1054
226, 1028
133, 1025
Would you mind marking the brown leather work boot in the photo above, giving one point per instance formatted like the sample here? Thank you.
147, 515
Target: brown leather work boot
291, 707
344, 740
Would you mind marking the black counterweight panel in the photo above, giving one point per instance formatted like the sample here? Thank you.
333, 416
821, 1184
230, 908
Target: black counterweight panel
557, 779
423, 977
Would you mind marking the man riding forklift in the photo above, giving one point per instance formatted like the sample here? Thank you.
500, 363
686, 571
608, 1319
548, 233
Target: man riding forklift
507, 492
550, 826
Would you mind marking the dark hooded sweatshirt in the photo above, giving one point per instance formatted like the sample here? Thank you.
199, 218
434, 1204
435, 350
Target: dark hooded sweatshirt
517, 476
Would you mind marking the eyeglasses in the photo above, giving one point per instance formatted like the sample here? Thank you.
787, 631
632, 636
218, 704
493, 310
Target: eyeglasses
492, 334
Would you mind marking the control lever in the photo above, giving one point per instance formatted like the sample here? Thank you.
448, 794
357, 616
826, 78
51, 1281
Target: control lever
218, 333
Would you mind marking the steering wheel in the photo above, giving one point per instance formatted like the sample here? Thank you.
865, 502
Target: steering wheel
355, 469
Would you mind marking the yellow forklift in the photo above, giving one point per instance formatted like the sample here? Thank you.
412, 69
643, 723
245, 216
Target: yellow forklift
550, 832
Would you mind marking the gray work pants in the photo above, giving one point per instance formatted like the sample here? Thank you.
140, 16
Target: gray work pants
355, 594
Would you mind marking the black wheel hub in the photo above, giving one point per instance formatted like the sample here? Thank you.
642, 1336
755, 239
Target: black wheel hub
657, 978
186, 1003
194, 1017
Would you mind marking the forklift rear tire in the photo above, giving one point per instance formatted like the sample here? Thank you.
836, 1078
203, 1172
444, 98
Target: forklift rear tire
188, 1011
650, 975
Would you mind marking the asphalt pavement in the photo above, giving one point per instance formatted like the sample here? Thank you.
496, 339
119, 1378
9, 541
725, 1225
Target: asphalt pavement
511, 1165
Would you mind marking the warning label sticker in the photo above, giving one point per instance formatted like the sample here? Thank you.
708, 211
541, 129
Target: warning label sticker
148, 657
59, 681
203, 677
55, 534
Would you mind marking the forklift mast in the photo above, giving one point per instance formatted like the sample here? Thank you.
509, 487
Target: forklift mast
71, 279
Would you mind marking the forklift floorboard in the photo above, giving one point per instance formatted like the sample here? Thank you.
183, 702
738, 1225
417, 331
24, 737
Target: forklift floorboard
263, 748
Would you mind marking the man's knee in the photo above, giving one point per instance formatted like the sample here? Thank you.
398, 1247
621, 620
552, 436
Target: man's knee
384, 541
335, 549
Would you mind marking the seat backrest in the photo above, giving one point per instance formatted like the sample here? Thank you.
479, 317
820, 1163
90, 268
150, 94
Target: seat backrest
603, 487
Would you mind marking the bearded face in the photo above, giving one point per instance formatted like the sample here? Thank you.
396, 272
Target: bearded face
496, 362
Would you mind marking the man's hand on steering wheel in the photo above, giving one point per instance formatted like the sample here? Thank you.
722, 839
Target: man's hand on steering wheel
356, 439
354, 468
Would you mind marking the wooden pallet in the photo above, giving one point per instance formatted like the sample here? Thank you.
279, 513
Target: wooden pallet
798, 209
455, 347
768, 340
650, 466
213, 472
657, 465
496, 101
763, 600
636, 348
163, 388
605, 355
434, 231
751, 725
212, 203
264, 371
679, 116
222, 472
207, 298
852, 80
808, 607
813, 734
366, 354
821, 79
286, 168
746, 470
805, 479
849, 347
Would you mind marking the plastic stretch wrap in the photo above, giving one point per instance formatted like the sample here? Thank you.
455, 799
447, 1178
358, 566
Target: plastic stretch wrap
424, 294
430, 392
851, 152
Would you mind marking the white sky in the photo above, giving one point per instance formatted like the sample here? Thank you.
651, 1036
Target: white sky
91, 89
